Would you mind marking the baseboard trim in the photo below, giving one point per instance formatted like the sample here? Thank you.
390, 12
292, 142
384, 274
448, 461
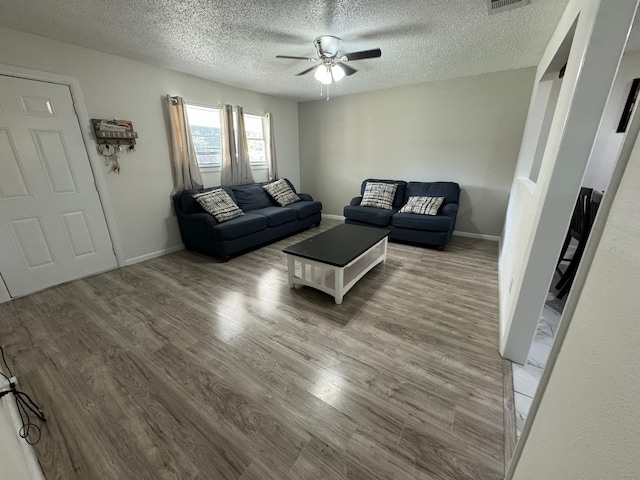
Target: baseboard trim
329, 216
493, 238
151, 255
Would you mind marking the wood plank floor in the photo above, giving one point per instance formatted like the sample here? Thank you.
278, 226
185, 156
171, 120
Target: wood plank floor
183, 367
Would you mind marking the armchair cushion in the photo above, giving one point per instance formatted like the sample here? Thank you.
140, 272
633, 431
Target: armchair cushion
449, 190
375, 216
436, 223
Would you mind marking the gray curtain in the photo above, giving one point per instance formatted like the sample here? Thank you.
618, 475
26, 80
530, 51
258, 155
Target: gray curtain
228, 146
270, 141
236, 165
244, 162
186, 173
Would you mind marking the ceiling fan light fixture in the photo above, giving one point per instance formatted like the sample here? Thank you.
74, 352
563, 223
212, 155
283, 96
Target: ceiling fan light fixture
337, 72
323, 75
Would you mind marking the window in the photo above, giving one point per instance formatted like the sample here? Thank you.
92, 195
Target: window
206, 134
254, 127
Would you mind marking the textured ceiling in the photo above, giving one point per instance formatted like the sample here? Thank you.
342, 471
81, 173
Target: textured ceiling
235, 42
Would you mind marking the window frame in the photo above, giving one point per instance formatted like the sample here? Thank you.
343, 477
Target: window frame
217, 167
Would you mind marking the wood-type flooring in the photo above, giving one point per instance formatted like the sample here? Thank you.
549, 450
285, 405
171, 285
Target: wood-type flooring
183, 367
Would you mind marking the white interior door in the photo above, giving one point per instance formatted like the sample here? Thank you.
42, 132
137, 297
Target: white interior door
52, 226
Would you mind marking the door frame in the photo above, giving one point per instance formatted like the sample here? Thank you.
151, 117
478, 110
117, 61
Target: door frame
95, 161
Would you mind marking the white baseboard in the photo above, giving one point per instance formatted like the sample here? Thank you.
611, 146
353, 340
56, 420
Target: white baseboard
328, 216
151, 255
482, 236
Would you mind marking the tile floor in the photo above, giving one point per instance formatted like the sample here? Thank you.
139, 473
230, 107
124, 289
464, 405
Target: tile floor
526, 377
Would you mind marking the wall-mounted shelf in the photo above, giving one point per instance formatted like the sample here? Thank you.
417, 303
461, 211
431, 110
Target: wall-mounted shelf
125, 137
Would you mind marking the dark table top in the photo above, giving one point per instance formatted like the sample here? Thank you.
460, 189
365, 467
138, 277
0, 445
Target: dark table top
339, 245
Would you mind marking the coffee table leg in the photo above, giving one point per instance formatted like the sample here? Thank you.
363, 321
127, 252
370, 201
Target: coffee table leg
339, 285
291, 267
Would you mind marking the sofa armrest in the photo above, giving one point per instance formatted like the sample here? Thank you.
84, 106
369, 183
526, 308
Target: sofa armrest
205, 218
305, 196
355, 201
450, 210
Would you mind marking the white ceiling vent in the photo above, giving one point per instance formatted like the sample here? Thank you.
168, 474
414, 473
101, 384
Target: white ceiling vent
496, 6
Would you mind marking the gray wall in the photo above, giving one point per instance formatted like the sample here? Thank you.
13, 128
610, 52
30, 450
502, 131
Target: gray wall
115, 87
587, 426
465, 130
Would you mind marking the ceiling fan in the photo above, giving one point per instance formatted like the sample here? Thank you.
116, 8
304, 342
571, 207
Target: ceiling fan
331, 67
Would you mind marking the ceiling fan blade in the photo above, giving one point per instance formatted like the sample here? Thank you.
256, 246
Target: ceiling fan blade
307, 70
375, 53
296, 58
347, 69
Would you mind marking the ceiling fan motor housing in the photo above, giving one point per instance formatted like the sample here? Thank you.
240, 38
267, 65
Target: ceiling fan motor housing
327, 46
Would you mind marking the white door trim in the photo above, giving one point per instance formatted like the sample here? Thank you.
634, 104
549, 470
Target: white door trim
85, 127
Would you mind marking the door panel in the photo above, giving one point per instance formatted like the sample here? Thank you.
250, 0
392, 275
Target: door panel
12, 181
52, 227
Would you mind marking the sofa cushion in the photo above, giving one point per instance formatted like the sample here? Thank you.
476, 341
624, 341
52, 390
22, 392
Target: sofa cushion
281, 192
422, 205
239, 227
277, 215
438, 223
379, 195
398, 199
374, 216
251, 197
191, 205
449, 190
305, 208
219, 204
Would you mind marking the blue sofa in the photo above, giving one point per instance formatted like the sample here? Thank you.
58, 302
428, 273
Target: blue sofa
428, 230
263, 221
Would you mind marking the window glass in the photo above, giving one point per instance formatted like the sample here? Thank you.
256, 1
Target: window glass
254, 127
205, 132
204, 123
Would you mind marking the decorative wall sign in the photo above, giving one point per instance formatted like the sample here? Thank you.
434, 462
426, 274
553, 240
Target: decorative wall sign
112, 137
628, 107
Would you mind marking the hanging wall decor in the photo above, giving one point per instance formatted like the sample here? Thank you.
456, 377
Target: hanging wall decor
113, 137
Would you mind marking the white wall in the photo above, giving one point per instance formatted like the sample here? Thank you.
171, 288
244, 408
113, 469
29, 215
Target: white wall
465, 130
605, 150
587, 426
115, 87
539, 214
17, 459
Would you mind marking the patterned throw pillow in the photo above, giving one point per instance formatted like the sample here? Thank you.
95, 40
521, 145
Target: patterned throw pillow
423, 205
379, 195
219, 204
281, 192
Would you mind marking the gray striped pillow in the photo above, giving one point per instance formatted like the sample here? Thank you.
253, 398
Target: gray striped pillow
219, 204
422, 205
281, 192
379, 195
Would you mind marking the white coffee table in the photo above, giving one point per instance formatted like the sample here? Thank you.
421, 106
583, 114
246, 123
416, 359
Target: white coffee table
334, 261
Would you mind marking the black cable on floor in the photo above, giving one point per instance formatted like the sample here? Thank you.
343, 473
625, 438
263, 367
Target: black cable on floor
29, 430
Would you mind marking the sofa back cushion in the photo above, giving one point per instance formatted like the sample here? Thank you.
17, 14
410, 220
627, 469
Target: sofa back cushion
449, 190
251, 197
398, 199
